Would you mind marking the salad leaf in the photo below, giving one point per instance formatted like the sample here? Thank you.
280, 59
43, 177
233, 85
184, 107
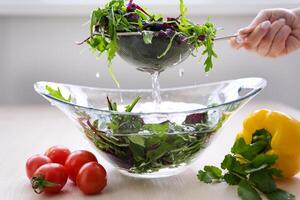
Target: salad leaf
148, 36
113, 76
57, 94
183, 9
168, 47
157, 128
130, 107
137, 140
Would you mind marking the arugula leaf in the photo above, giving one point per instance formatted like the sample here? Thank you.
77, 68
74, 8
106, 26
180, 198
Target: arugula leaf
124, 123
137, 149
130, 107
168, 47
160, 129
111, 105
211, 174
113, 76
137, 140
247, 192
148, 36
57, 94
183, 11
159, 152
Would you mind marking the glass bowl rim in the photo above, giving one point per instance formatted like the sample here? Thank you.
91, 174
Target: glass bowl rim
260, 86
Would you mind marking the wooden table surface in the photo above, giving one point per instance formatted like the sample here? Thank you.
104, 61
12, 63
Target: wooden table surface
30, 130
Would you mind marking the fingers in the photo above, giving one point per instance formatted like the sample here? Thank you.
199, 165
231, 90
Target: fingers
262, 16
247, 30
252, 41
265, 44
278, 47
236, 42
270, 34
292, 43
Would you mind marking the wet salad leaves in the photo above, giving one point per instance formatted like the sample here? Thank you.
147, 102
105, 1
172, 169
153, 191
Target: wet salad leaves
117, 17
250, 168
141, 147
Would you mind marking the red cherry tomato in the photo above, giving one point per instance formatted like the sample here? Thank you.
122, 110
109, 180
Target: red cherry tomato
58, 154
34, 162
91, 178
49, 178
76, 160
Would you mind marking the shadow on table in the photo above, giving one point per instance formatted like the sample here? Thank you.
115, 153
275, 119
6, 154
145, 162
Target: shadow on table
183, 186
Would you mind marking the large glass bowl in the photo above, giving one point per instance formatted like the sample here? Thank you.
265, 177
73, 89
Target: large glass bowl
151, 144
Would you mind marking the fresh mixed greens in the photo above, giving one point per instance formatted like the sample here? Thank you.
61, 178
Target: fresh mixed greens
117, 17
140, 147
250, 168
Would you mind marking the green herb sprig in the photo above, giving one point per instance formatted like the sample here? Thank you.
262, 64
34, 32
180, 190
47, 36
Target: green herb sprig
250, 168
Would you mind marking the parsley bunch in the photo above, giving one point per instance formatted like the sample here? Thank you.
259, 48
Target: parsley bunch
250, 168
117, 17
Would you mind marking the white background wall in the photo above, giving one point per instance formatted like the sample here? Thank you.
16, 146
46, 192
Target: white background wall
41, 47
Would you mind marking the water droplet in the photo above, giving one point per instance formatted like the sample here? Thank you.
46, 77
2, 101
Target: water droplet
206, 74
121, 97
181, 72
179, 61
97, 75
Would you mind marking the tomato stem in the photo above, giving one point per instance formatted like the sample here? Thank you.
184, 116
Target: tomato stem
38, 183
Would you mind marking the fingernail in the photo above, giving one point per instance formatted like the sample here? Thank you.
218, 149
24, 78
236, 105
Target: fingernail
265, 25
282, 20
239, 39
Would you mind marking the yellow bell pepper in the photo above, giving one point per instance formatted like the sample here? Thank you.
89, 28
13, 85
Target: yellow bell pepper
285, 142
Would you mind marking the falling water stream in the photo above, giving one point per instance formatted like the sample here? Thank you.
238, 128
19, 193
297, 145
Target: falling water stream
156, 89
157, 105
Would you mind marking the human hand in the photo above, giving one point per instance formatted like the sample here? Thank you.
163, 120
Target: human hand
273, 33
